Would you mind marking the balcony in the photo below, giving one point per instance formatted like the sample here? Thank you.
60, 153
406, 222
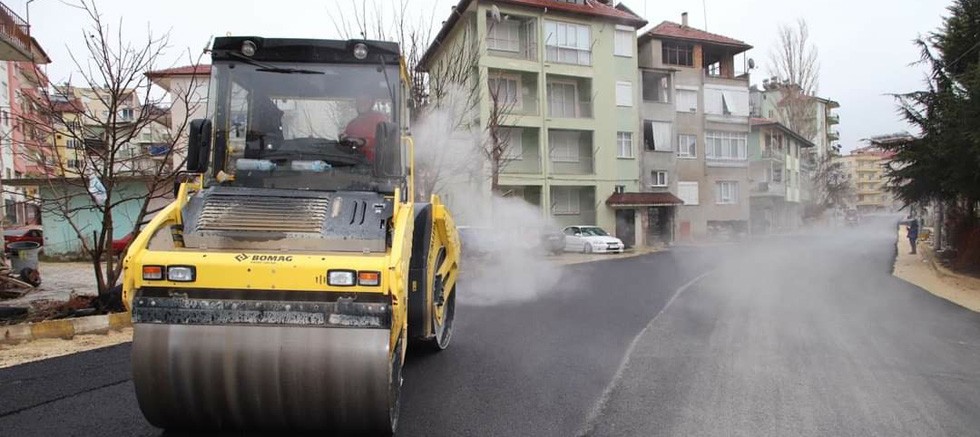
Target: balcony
570, 152
768, 189
15, 40
833, 119
516, 92
523, 154
569, 97
572, 205
512, 37
833, 135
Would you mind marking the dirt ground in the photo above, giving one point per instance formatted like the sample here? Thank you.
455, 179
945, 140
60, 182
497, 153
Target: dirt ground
919, 270
12, 355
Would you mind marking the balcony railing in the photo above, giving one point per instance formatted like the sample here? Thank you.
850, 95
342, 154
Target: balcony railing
777, 189
15, 32
525, 165
529, 106
579, 165
833, 135
580, 110
833, 119
776, 155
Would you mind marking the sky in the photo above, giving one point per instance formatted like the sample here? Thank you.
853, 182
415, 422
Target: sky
865, 46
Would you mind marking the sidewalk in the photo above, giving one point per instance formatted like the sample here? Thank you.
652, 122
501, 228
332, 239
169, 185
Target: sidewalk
924, 271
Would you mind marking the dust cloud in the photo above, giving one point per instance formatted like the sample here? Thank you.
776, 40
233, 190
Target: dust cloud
504, 260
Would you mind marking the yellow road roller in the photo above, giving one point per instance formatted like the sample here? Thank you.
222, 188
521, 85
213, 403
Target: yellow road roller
280, 289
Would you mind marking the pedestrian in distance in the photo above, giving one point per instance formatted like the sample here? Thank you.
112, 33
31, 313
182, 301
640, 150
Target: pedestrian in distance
913, 232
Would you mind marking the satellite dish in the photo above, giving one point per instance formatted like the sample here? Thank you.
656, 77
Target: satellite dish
495, 13
751, 63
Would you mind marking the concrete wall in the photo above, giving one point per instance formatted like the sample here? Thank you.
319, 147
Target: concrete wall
60, 238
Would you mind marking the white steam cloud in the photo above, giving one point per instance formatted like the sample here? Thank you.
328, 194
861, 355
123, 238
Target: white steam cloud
513, 265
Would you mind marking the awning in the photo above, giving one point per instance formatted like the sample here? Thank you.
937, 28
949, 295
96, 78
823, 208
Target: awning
633, 200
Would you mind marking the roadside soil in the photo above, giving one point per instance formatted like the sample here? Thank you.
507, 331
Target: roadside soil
36, 350
922, 270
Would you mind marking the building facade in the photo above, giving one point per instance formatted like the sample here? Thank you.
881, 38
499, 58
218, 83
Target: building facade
698, 119
566, 72
775, 155
187, 87
867, 167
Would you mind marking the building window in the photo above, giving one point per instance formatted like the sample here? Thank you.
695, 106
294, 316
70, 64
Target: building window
678, 53
564, 146
687, 146
73, 143
562, 99
624, 141
507, 90
777, 173
126, 114
725, 145
568, 43
515, 145
726, 101
687, 101
656, 87
726, 192
504, 36
625, 37
74, 163
565, 201
659, 178
624, 93
657, 135
714, 69
688, 192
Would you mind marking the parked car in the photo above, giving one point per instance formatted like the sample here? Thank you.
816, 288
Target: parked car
552, 241
30, 233
591, 239
119, 245
475, 241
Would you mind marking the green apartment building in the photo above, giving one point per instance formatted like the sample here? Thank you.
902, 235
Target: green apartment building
565, 72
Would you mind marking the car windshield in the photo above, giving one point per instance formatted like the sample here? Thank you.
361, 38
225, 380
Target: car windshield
593, 232
306, 126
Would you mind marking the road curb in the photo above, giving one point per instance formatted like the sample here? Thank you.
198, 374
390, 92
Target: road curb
64, 328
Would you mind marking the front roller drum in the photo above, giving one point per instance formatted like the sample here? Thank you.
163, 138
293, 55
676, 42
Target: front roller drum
208, 377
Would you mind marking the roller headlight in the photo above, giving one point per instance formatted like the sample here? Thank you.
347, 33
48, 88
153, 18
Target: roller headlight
360, 50
341, 278
181, 273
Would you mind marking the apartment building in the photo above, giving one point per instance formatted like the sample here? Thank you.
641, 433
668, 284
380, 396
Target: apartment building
867, 167
567, 75
775, 155
696, 126
20, 54
187, 87
766, 103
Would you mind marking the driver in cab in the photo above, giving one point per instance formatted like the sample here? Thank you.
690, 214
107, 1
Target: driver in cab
365, 125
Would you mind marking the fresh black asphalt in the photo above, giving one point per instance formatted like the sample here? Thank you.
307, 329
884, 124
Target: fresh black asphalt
804, 335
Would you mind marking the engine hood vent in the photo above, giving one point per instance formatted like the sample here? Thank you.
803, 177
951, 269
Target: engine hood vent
286, 220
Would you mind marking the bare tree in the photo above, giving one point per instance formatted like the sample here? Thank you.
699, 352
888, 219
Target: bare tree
107, 175
794, 59
794, 65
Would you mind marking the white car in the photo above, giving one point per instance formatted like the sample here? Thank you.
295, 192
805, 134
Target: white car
591, 239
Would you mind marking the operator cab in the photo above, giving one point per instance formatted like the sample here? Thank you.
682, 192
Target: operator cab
303, 115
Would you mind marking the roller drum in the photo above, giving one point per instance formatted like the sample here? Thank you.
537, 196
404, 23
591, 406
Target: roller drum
264, 377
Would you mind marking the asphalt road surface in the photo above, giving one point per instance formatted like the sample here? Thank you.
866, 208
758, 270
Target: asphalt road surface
804, 335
